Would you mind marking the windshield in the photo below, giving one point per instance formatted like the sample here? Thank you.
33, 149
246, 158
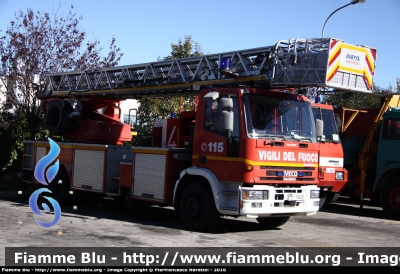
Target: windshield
277, 118
330, 132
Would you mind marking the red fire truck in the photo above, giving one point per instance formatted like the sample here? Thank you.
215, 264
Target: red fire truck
332, 174
245, 150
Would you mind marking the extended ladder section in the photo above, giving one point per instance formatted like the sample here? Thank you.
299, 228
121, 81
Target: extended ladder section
324, 62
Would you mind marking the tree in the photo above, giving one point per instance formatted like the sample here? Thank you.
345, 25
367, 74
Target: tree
153, 109
37, 43
395, 89
358, 100
185, 48
12, 133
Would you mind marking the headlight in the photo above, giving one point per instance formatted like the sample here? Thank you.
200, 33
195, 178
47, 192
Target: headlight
339, 175
255, 194
314, 194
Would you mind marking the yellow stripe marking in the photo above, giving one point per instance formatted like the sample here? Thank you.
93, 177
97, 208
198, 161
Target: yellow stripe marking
356, 71
334, 52
331, 71
254, 163
347, 46
74, 147
368, 76
160, 152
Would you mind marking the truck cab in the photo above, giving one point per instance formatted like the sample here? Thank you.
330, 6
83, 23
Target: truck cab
254, 150
253, 146
332, 175
387, 180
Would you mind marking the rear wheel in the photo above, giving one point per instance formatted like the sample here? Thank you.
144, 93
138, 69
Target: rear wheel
197, 208
58, 121
390, 199
273, 222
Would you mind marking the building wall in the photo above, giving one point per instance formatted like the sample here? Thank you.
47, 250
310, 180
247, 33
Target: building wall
125, 106
3, 89
4, 83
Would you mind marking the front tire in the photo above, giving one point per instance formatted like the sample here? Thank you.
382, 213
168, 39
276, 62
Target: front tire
332, 197
197, 208
322, 199
390, 199
273, 222
326, 198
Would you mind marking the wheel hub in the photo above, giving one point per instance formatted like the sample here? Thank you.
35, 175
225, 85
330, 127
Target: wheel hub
394, 198
194, 207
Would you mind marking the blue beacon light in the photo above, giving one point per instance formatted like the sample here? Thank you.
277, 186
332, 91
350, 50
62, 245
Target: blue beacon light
226, 64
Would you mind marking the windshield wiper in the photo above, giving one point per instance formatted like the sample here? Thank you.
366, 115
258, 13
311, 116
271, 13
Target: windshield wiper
275, 137
302, 139
329, 141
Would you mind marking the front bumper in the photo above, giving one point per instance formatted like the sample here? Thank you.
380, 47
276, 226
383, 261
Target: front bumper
279, 200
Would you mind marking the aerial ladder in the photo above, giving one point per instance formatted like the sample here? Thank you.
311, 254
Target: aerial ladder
325, 63
292, 63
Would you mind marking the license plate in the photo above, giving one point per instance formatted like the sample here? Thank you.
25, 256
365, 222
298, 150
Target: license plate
330, 170
295, 197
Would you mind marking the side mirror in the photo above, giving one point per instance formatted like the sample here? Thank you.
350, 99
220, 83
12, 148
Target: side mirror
226, 104
226, 115
226, 121
319, 125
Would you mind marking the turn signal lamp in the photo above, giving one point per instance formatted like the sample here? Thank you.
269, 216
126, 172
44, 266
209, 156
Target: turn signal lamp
249, 168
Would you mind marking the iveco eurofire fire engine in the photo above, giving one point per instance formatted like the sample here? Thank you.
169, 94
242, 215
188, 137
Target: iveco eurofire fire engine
245, 150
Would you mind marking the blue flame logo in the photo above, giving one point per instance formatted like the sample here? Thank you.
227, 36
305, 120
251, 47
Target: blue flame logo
40, 177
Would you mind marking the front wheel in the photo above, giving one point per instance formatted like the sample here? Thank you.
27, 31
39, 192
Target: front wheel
390, 199
197, 208
322, 199
273, 222
332, 197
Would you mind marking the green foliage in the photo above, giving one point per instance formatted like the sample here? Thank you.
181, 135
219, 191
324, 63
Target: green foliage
13, 132
154, 109
395, 89
185, 48
39, 43
12, 135
357, 100
36, 43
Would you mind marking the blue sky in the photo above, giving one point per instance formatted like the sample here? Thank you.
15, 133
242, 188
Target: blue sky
145, 29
